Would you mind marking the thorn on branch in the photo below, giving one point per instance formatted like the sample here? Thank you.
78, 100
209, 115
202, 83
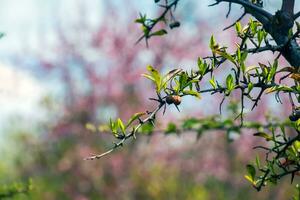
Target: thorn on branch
239, 19
229, 10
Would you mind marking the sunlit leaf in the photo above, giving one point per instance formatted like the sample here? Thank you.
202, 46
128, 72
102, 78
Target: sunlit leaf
121, 125
192, 93
213, 83
229, 83
134, 117
224, 54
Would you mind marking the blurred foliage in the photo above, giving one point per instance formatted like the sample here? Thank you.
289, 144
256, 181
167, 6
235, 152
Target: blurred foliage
16, 190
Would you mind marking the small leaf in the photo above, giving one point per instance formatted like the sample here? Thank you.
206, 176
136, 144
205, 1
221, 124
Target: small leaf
202, 66
170, 75
263, 135
212, 42
159, 33
249, 178
229, 83
121, 125
192, 93
113, 126
257, 161
212, 82
171, 128
250, 87
148, 76
147, 128
134, 117
190, 123
224, 54
251, 171
238, 27
155, 77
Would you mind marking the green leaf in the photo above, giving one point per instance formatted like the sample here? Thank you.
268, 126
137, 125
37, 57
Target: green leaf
273, 70
251, 171
192, 93
263, 135
134, 117
155, 77
244, 56
183, 80
238, 27
113, 126
202, 66
260, 36
224, 54
257, 161
212, 42
296, 144
249, 178
148, 76
159, 33
170, 75
140, 21
171, 128
147, 128
121, 125
250, 87
190, 123
229, 83
213, 83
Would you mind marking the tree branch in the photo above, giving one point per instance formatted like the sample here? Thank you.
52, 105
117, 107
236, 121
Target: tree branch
297, 15
260, 14
288, 6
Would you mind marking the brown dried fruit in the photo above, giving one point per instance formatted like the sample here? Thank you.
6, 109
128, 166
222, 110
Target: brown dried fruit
173, 99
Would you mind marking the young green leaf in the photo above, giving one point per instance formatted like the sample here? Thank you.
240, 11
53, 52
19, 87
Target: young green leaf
251, 171
263, 135
213, 83
121, 125
159, 33
229, 83
134, 117
155, 77
170, 75
238, 27
171, 128
212, 42
192, 93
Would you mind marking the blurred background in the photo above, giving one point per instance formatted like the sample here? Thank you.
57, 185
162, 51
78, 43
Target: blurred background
64, 64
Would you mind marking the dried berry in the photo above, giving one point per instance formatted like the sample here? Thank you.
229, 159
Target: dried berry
295, 115
173, 99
